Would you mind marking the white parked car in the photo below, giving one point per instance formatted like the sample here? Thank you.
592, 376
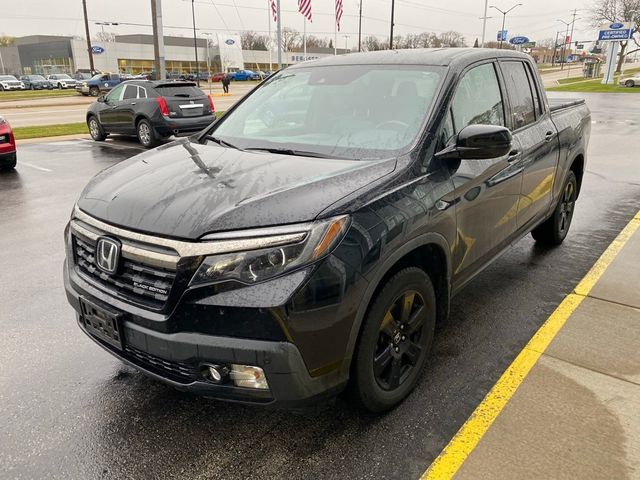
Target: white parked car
9, 82
630, 81
62, 80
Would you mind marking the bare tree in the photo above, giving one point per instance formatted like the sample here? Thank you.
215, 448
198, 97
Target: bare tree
250, 40
546, 43
291, 39
105, 36
618, 11
6, 40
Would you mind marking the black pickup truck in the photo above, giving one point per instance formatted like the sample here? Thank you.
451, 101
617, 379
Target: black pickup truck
311, 238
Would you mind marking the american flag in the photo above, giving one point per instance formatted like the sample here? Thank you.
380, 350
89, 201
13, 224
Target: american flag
338, 13
274, 10
304, 7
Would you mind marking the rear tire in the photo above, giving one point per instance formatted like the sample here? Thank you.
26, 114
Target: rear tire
630, 83
96, 130
146, 134
395, 341
554, 230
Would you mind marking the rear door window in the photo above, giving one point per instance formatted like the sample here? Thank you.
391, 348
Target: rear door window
534, 89
185, 91
520, 96
130, 92
142, 92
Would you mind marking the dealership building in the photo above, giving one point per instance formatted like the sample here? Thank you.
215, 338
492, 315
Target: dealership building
46, 54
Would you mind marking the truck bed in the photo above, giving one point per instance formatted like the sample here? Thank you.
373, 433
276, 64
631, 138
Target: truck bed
556, 104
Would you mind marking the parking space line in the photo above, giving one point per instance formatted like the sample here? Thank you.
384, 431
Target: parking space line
452, 457
42, 169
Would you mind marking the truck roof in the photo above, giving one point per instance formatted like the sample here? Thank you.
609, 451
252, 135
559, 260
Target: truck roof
416, 56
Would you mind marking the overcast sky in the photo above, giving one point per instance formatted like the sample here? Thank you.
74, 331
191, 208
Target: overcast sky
536, 19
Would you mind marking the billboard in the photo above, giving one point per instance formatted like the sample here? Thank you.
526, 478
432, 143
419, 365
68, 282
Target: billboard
230, 51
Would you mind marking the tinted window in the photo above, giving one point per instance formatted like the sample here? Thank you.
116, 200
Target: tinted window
114, 95
534, 90
519, 92
186, 91
478, 99
130, 92
142, 92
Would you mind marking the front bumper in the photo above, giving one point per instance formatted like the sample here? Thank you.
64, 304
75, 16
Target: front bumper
169, 126
175, 358
13, 87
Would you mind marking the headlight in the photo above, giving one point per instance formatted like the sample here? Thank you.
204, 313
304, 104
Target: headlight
261, 264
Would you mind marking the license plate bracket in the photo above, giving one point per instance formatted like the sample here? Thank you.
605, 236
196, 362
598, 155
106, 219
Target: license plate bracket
101, 323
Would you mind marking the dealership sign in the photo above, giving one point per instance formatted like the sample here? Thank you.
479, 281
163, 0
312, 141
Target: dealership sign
611, 32
96, 50
502, 35
519, 40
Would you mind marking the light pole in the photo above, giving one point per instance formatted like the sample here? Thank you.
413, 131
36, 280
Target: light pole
208, 61
484, 22
360, 28
504, 18
564, 45
195, 41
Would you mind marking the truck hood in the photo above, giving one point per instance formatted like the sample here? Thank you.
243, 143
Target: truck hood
185, 189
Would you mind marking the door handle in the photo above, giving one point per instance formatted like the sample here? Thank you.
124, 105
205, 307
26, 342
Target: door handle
514, 155
548, 137
133, 103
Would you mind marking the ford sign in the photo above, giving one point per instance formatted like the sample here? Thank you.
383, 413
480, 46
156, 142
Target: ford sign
616, 26
229, 41
97, 50
518, 40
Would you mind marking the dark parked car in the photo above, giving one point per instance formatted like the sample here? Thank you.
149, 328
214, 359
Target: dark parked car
8, 156
36, 82
314, 235
152, 110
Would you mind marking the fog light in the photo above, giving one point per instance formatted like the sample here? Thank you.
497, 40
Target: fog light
248, 376
215, 373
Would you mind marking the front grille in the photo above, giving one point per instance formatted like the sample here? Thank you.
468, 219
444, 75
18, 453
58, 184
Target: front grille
179, 372
145, 285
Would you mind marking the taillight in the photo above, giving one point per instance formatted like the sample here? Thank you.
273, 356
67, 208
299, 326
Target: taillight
162, 103
213, 109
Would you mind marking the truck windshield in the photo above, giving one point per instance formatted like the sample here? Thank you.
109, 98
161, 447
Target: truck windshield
350, 111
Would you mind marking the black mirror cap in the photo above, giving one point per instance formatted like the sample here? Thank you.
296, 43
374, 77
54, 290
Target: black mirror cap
479, 142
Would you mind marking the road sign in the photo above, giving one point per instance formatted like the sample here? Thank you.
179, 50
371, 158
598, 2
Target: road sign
614, 32
502, 35
519, 40
96, 50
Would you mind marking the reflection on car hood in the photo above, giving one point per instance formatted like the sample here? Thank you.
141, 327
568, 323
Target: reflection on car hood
185, 189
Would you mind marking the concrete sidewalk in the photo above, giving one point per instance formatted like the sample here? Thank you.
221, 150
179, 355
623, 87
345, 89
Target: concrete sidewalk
576, 415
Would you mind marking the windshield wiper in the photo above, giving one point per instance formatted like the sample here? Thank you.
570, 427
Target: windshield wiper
223, 143
297, 153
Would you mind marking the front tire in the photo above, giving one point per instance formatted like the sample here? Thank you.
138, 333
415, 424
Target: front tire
94, 91
146, 134
554, 230
59, 86
630, 83
96, 130
395, 341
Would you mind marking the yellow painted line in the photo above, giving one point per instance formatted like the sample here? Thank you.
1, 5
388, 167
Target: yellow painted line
465, 440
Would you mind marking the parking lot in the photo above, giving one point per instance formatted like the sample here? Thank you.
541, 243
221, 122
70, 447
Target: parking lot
79, 413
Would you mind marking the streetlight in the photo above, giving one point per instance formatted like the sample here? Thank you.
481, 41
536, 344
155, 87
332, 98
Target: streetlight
504, 18
564, 44
208, 61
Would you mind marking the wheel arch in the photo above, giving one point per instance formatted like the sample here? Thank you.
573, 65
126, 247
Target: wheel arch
577, 167
430, 252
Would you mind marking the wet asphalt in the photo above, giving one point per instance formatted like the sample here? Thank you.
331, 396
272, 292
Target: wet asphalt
69, 410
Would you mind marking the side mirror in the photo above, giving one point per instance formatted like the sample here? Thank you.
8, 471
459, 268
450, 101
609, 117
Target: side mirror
101, 99
478, 142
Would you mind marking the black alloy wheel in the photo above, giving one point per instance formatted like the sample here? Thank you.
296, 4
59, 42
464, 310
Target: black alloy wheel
554, 230
399, 348
395, 341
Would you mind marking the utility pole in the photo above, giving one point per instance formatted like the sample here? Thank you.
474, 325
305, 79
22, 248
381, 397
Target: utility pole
279, 36
484, 22
158, 39
504, 18
564, 45
573, 22
86, 31
555, 49
393, 4
195, 41
360, 28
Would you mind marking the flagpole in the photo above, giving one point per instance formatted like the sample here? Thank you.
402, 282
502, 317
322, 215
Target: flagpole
269, 13
279, 35
335, 33
304, 37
